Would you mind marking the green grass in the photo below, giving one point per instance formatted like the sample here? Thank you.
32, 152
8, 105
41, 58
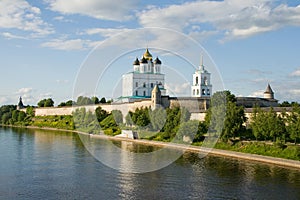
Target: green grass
60, 122
261, 148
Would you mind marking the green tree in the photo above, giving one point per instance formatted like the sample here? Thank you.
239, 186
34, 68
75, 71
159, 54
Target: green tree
41, 103
95, 100
108, 122
62, 104
187, 129
49, 103
30, 111
128, 119
141, 117
103, 100
235, 118
267, 125
101, 114
6, 117
70, 103
15, 115
21, 116
293, 124
81, 100
158, 118
46, 103
216, 114
118, 116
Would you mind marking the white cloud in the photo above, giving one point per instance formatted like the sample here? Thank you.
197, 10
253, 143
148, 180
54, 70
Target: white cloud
9, 36
62, 19
105, 32
62, 81
68, 44
258, 93
175, 89
4, 100
23, 91
234, 18
296, 72
117, 10
19, 14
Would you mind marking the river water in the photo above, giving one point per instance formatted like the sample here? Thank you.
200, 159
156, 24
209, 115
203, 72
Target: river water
40, 164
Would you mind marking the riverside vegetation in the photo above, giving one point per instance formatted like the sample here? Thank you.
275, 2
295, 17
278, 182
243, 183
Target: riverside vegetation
267, 133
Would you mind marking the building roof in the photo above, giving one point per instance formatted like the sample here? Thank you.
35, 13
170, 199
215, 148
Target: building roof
136, 62
147, 55
143, 60
156, 89
269, 90
157, 61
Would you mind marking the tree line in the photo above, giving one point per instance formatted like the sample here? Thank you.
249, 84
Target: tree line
224, 119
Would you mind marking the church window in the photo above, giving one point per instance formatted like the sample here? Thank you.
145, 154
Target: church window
144, 85
208, 93
136, 93
203, 91
197, 80
197, 91
136, 84
144, 93
205, 80
193, 91
151, 85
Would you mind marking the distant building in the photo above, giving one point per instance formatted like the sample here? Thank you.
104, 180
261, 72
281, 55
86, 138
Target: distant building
267, 101
20, 104
201, 86
269, 94
139, 83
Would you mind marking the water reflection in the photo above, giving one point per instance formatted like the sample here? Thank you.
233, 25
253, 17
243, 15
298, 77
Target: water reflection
38, 164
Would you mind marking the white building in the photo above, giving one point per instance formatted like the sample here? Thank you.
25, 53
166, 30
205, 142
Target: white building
139, 83
201, 86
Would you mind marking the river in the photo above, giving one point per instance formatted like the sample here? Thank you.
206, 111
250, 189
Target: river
41, 164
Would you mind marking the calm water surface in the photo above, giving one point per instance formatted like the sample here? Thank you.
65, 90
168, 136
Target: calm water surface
39, 164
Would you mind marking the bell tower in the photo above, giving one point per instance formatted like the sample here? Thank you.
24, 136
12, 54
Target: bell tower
201, 86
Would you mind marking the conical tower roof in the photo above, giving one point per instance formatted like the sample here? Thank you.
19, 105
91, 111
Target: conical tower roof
269, 90
156, 89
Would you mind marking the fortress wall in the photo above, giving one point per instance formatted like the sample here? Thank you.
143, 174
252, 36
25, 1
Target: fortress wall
124, 108
192, 104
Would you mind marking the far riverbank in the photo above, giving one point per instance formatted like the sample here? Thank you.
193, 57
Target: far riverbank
191, 148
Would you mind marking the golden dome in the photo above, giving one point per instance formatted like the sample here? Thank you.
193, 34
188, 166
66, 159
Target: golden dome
147, 55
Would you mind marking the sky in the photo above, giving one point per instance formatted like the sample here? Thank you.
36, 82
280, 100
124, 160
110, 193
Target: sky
61, 49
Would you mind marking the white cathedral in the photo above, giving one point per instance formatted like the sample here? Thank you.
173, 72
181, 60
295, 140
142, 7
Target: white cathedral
146, 74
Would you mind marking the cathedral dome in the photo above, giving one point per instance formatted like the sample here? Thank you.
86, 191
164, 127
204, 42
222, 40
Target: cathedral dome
143, 60
136, 62
157, 61
147, 55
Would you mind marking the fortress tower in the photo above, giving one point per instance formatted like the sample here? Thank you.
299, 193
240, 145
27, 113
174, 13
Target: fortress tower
201, 86
269, 94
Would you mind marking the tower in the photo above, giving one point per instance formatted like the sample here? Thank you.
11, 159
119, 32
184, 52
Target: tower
20, 104
156, 98
269, 94
201, 82
146, 74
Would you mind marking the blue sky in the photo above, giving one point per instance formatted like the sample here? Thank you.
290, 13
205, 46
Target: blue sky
44, 44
